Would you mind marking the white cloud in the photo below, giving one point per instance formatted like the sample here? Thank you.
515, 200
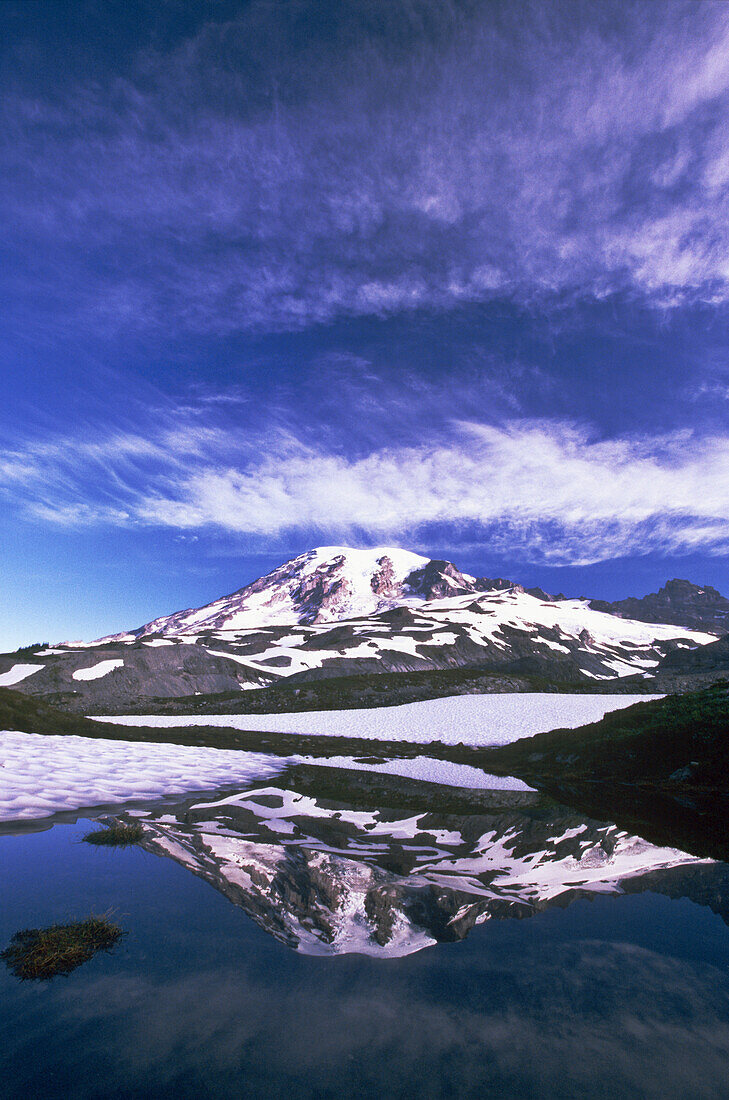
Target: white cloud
544, 486
548, 490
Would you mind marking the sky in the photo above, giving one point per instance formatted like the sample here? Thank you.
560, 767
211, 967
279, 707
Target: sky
439, 274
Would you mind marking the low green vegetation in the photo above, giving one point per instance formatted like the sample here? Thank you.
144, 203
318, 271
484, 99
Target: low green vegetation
31, 715
117, 835
43, 953
683, 739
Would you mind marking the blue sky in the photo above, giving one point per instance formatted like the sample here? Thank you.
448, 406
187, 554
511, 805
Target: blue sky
446, 275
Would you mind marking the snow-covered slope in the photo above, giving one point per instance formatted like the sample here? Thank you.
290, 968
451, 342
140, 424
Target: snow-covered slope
323, 585
495, 628
340, 612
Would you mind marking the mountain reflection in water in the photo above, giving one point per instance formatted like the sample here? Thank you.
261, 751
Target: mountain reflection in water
334, 875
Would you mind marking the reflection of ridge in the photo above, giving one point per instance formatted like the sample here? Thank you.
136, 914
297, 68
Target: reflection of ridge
326, 878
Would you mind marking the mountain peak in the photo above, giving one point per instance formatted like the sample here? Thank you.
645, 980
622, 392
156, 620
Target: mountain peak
358, 558
324, 584
335, 583
679, 602
680, 585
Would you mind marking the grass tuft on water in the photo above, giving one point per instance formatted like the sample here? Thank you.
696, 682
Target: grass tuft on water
116, 836
45, 952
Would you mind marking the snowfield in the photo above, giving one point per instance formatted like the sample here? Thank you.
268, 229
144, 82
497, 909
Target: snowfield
95, 672
40, 775
461, 719
18, 673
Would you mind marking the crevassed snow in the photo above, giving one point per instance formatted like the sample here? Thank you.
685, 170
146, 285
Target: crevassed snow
98, 670
18, 673
41, 775
468, 719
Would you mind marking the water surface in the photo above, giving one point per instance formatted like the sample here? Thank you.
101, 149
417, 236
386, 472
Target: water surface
242, 972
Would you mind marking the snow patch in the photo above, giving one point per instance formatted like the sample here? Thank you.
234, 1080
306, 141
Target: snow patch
95, 672
18, 673
429, 770
44, 774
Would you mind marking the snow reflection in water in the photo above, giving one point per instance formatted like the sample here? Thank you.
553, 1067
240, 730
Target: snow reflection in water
335, 876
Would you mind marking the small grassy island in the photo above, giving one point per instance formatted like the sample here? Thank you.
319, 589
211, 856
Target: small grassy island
43, 953
117, 835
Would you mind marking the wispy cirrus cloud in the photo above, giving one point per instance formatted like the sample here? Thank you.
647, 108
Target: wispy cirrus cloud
540, 490
278, 171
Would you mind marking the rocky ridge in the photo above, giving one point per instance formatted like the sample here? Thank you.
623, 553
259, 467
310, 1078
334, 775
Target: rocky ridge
679, 602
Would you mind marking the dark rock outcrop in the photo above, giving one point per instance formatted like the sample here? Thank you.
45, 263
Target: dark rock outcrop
679, 602
439, 579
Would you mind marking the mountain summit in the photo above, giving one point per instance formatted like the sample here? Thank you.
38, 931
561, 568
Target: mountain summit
333, 583
326, 584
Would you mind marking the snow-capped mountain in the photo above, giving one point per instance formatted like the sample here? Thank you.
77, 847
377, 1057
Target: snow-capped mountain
332, 583
323, 585
329, 879
507, 630
340, 612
